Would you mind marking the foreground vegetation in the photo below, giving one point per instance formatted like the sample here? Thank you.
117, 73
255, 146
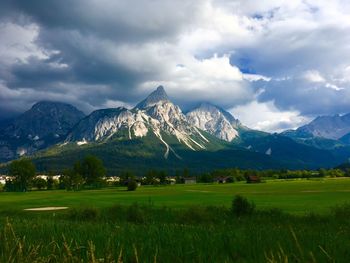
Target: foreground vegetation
139, 233
291, 222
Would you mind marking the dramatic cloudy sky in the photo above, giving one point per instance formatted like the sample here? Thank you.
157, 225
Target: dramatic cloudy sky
274, 64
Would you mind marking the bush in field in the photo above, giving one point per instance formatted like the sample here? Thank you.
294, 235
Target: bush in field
241, 206
132, 185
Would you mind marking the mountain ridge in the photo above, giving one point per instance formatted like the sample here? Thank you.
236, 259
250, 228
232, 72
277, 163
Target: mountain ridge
157, 131
43, 125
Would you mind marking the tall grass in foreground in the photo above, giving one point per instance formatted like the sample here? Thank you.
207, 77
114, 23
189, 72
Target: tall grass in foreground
197, 234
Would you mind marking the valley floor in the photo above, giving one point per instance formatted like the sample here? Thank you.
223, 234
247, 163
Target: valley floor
298, 196
293, 222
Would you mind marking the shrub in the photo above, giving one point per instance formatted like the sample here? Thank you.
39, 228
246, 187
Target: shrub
341, 211
132, 185
116, 212
241, 206
87, 213
202, 214
135, 214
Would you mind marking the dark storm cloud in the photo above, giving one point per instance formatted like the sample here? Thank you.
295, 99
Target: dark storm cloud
310, 99
135, 20
80, 38
107, 53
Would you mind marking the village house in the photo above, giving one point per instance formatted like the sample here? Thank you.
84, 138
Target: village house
190, 180
112, 179
253, 179
221, 179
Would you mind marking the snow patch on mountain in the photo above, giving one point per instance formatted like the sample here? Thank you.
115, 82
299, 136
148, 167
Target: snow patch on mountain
82, 142
268, 151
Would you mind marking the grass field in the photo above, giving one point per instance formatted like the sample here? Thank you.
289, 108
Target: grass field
180, 223
296, 196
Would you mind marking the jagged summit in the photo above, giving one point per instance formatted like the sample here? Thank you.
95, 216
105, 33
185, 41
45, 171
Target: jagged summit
155, 116
329, 127
156, 96
209, 107
214, 120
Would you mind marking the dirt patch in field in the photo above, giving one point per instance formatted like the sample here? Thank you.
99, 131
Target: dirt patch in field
198, 191
313, 191
49, 208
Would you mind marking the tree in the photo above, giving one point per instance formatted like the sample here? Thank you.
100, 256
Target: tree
125, 177
92, 170
150, 178
50, 182
185, 173
72, 180
23, 171
39, 183
162, 175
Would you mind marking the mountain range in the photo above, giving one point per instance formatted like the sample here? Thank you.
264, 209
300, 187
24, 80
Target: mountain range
157, 134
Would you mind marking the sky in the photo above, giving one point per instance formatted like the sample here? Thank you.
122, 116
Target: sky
273, 64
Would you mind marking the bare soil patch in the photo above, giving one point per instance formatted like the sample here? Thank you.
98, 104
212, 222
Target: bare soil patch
49, 208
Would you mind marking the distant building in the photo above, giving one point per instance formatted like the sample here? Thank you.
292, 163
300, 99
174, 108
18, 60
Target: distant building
4, 178
253, 179
222, 179
190, 180
171, 180
45, 177
112, 179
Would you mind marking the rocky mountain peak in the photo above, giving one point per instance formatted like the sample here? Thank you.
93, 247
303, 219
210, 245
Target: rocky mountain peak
214, 120
156, 116
44, 118
156, 96
329, 127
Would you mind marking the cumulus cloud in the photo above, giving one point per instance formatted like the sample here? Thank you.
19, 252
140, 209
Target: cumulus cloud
289, 59
266, 117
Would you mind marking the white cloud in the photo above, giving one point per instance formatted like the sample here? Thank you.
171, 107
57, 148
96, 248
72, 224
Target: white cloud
255, 77
313, 76
18, 43
266, 117
116, 104
332, 86
296, 53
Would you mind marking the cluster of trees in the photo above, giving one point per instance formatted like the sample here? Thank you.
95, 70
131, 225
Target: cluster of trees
242, 175
155, 177
88, 173
23, 172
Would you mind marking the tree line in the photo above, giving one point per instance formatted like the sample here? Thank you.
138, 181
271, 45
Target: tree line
90, 173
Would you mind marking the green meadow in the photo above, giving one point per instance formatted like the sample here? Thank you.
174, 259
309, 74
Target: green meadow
294, 221
293, 196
